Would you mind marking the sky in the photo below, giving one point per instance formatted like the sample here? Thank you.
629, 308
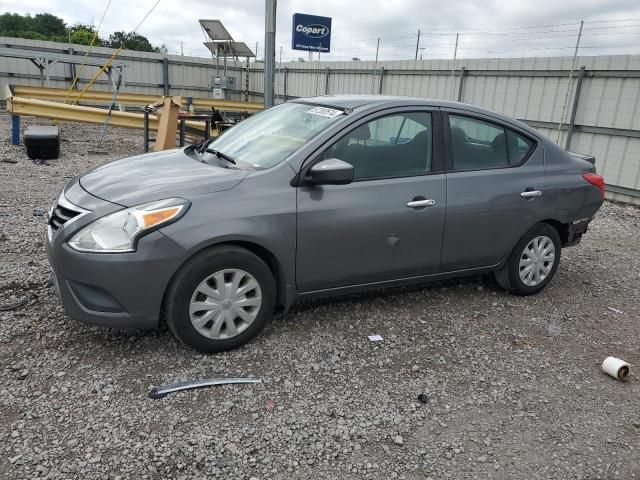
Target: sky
486, 28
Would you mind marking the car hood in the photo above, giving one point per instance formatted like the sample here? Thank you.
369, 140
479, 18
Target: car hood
158, 175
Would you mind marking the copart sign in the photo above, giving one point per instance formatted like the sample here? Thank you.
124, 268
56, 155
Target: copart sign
311, 33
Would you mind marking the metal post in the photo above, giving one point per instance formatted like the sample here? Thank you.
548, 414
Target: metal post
182, 132
110, 78
217, 62
72, 67
453, 66
279, 73
15, 130
380, 80
165, 75
418, 45
284, 81
573, 67
375, 67
326, 82
461, 86
112, 105
121, 73
269, 51
145, 131
207, 129
246, 81
574, 110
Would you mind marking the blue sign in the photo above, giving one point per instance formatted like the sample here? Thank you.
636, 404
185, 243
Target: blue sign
311, 33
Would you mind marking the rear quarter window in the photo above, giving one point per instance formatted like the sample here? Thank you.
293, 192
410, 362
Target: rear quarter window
519, 147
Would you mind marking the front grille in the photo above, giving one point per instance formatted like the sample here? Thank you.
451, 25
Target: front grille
61, 215
62, 212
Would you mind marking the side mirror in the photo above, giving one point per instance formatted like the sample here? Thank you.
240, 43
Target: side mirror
331, 172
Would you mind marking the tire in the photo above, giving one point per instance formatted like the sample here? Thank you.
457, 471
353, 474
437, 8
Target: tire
201, 302
509, 276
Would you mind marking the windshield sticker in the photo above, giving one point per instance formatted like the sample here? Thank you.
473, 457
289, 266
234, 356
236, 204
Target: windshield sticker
326, 112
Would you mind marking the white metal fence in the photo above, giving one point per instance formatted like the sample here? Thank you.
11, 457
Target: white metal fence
604, 121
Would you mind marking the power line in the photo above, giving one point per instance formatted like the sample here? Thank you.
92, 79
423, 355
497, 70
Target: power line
145, 17
494, 31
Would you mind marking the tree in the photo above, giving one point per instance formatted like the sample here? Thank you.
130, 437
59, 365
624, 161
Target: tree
44, 26
12, 23
49, 25
161, 49
130, 41
83, 34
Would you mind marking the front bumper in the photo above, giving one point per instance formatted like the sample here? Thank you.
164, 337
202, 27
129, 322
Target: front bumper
123, 290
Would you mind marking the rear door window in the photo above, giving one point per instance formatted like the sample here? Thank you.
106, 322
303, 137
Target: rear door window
476, 144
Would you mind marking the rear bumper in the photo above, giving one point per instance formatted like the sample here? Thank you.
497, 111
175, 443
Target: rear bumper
575, 231
115, 290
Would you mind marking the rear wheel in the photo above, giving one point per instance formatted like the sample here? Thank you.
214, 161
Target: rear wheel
220, 299
533, 262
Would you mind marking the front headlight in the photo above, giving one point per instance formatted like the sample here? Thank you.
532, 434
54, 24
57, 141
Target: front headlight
119, 231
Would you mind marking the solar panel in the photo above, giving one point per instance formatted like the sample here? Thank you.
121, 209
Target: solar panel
241, 49
216, 30
229, 49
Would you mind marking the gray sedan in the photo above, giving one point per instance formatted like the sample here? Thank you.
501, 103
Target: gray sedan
316, 197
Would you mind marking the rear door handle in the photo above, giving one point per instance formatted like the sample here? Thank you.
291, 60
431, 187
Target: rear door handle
421, 203
531, 194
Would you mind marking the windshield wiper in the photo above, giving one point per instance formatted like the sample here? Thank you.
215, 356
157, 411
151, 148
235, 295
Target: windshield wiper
219, 154
202, 146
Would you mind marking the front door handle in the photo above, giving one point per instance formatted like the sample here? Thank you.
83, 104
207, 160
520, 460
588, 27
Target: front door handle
531, 194
421, 203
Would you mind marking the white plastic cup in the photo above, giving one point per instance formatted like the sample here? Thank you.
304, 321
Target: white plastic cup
616, 367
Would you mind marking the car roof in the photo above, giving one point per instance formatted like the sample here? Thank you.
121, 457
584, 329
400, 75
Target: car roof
354, 102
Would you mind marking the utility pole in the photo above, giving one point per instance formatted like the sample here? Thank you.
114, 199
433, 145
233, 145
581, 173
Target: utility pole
375, 67
279, 69
256, 58
453, 65
182, 65
269, 51
318, 71
566, 98
418, 44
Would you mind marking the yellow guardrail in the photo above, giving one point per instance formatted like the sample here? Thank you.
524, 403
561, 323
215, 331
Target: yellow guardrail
59, 94
18, 105
93, 96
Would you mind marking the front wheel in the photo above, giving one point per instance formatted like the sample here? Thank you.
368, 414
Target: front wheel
533, 262
220, 299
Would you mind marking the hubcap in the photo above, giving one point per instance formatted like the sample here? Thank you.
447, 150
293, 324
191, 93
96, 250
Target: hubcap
224, 304
537, 260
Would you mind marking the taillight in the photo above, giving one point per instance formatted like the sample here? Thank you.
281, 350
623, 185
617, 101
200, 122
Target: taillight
596, 180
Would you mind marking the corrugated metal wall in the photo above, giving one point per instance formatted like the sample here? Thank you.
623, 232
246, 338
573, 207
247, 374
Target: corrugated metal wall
189, 76
531, 89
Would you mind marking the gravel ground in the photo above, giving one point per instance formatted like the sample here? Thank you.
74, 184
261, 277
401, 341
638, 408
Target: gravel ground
513, 385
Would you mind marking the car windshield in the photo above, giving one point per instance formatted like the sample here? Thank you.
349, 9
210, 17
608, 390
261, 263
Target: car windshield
266, 139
